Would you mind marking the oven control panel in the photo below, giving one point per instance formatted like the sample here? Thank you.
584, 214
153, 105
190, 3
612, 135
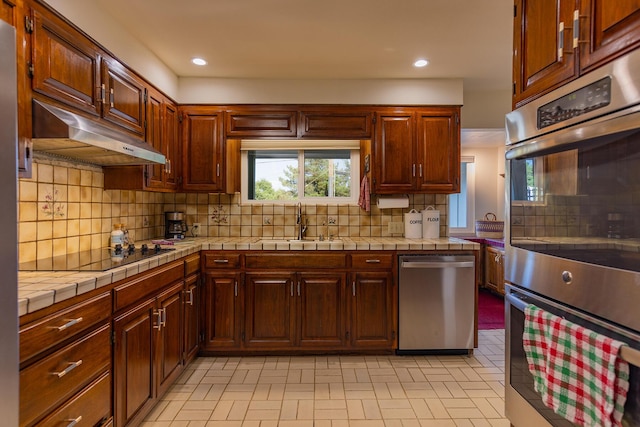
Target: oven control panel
581, 101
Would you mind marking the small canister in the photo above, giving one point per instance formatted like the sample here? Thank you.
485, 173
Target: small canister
430, 223
413, 224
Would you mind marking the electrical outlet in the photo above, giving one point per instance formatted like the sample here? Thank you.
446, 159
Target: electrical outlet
195, 228
395, 227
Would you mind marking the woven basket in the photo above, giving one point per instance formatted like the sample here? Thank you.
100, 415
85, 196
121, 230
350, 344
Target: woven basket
489, 227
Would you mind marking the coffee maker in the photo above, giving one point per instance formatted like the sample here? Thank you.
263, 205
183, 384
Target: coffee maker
174, 225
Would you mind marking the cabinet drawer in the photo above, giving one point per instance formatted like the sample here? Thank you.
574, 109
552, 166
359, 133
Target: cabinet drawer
296, 260
145, 284
372, 261
49, 331
51, 381
88, 408
191, 264
213, 260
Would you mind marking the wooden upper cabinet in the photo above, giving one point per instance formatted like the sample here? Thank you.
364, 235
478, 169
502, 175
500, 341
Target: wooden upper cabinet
203, 159
123, 96
607, 29
336, 123
543, 56
417, 150
65, 65
438, 146
162, 133
394, 154
555, 41
171, 145
256, 122
8, 11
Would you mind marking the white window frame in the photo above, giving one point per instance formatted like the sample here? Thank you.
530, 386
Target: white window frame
470, 229
295, 145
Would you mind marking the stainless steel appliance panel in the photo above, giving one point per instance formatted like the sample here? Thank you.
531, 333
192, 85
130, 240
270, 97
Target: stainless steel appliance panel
436, 302
8, 217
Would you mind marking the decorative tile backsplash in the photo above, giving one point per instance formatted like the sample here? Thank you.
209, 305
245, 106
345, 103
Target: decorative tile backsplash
63, 208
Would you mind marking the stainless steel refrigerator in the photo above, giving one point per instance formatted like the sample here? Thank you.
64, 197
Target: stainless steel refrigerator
9, 389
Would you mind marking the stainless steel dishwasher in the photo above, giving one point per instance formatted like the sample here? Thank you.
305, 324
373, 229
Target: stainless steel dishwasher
436, 305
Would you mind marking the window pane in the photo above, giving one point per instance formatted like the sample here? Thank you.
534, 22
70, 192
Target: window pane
327, 173
273, 175
458, 202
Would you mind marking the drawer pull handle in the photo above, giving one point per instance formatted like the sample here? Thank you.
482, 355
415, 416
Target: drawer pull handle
163, 316
190, 293
74, 422
71, 367
158, 313
373, 261
69, 324
221, 261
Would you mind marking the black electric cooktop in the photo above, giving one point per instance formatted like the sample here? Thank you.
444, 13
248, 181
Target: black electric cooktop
94, 260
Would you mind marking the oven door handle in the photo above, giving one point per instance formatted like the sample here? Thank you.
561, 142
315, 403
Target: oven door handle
516, 302
628, 354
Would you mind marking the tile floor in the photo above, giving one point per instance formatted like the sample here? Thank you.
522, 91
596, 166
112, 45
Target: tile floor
340, 391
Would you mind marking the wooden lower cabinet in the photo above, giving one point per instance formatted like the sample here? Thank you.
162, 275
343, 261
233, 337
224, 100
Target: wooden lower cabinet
269, 310
372, 310
295, 310
298, 306
192, 296
222, 310
147, 353
494, 269
321, 310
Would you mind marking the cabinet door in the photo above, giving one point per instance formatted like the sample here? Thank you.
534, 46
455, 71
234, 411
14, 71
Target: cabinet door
322, 315
133, 363
66, 67
170, 338
494, 274
191, 318
372, 310
8, 12
439, 151
611, 28
123, 97
245, 124
222, 307
170, 145
202, 151
270, 310
394, 154
154, 136
334, 124
543, 56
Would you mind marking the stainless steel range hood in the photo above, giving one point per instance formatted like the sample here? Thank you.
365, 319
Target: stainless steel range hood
63, 133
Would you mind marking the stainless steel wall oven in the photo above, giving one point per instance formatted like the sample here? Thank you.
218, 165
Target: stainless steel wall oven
573, 223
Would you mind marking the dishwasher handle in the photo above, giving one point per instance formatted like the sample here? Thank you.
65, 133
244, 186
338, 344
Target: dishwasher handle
436, 264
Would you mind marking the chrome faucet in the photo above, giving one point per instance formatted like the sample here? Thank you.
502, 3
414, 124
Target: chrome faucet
302, 227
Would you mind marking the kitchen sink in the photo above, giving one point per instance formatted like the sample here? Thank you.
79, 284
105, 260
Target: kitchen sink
276, 241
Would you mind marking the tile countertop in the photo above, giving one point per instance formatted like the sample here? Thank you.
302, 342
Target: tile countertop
37, 290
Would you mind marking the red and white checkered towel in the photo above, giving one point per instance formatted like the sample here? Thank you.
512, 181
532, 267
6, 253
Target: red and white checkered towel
577, 371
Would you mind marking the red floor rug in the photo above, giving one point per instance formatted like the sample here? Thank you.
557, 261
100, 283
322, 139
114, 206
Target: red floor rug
490, 310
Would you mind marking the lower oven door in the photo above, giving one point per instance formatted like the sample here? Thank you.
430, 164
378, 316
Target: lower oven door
523, 405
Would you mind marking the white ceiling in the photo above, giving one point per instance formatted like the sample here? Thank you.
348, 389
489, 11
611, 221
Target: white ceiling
328, 39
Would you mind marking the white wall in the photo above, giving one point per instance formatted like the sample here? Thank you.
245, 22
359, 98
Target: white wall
272, 91
98, 24
489, 164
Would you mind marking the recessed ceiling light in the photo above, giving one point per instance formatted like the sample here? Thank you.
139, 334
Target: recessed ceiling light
199, 61
420, 63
